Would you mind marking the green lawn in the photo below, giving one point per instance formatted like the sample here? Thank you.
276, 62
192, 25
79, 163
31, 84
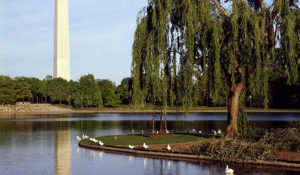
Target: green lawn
140, 139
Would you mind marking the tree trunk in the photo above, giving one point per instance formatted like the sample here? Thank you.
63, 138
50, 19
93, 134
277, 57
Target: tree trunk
233, 108
166, 122
160, 122
153, 130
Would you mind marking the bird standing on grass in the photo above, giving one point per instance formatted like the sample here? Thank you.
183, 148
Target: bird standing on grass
145, 146
101, 143
78, 138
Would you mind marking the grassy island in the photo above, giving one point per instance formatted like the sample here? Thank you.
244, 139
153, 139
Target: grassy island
280, 147
138, 140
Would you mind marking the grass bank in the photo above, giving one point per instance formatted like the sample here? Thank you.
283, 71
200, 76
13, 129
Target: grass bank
125, 140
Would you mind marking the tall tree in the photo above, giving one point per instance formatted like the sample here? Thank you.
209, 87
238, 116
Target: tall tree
23, 91
124, 90
7, 90
58, 90
108, 93
88, 92
207, 47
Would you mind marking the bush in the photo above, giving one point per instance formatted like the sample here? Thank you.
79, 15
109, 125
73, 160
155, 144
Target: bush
293, 124
283, 139
255, 135
233, 149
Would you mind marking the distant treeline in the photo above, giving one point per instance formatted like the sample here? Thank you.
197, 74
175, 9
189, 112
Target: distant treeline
89, 92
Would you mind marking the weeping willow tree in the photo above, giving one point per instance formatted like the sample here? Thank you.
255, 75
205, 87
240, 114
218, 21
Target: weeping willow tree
184, 48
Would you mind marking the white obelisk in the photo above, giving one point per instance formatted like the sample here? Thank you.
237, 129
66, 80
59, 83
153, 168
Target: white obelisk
61, 41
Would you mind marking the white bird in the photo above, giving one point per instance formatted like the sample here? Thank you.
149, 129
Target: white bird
132, 131
200, 132
194, 130
85, 136
157, 132
215, 132
116, 138
101, 143
93, 140
167, 131
78, 138
168, 147
145, 146
142, 131
219, 131
228, 170
130, 146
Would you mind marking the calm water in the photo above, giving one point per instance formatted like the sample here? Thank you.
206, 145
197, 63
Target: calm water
48, 145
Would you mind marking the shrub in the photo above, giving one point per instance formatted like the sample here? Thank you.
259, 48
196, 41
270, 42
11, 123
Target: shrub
233, 149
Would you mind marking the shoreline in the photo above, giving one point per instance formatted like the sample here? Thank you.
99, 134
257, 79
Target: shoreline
186, 157
144, 111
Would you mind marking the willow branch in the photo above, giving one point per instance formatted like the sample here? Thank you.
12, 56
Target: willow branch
220, 8
295, 5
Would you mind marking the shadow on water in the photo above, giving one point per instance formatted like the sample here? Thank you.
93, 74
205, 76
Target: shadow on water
48, 145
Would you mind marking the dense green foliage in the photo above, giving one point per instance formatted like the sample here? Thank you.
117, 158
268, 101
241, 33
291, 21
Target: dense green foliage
108, 89
191, 52
125, 91
84, 93
7, 90
87, 92
281, 95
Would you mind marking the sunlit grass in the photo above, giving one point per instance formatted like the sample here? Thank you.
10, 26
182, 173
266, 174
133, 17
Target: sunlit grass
140, 139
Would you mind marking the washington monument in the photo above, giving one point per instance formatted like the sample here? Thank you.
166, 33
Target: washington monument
61, 41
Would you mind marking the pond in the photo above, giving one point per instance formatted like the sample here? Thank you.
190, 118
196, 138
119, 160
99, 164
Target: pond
47, 144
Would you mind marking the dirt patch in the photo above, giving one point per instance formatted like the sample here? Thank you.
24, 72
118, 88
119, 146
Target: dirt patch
160, 134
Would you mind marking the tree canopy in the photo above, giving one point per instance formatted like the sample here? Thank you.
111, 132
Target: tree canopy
184, 48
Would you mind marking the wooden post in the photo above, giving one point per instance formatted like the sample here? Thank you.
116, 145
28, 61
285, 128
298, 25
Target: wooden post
153, 131
166, 122
160, 121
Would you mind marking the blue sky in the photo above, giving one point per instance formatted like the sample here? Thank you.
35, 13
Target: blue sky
101, 36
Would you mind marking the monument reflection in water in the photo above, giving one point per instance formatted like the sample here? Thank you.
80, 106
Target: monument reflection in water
63, 150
